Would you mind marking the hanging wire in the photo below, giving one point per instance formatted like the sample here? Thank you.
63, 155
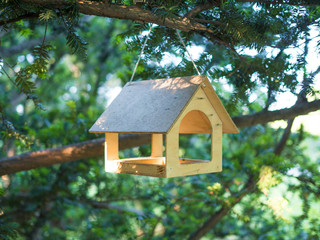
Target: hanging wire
144, 45
195, 66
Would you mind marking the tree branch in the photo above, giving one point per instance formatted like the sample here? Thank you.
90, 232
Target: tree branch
73, 152
135, 13
281, 145
198, 9
25, 16
120, 209
214, 22
262, 117
94, 148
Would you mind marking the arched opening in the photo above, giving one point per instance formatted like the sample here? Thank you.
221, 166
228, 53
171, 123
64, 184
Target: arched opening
195, 138
195, 122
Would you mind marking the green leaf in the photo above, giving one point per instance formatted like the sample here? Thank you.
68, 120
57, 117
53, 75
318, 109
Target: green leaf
26, 32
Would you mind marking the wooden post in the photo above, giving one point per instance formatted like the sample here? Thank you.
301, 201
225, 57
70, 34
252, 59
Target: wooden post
156, 145
111, 146
172, 152
216, 146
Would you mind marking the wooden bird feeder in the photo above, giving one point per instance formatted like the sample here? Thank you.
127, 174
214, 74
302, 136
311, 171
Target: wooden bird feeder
165, 108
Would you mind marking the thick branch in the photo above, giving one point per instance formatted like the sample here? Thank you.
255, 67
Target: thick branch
48, 157
120, 209
135, 13
214, 22
105, 9
281, 145
270, 116
94, 148
198, 9
25, 16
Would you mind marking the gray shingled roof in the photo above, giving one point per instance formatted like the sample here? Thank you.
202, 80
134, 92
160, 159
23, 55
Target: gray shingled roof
152, 106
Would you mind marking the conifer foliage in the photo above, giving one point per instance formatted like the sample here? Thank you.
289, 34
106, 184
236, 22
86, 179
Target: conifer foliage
62, 60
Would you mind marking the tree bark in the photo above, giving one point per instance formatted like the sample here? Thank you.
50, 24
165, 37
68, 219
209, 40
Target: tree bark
135, 13
73, 152
262, 117
120, 209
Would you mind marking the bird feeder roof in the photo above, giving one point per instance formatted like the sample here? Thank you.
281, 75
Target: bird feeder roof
152, 106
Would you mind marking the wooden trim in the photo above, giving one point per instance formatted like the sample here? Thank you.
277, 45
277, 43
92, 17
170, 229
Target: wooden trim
172, 151
191, 161
228, 124
144, 160
150, 170
216, 147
